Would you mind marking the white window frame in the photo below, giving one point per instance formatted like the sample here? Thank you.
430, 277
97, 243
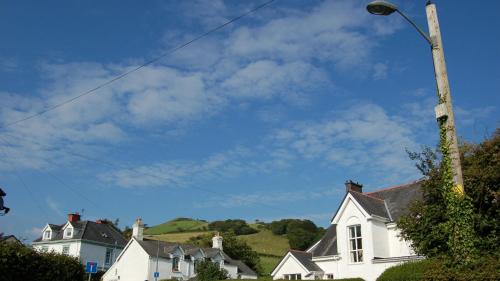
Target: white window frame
47, 234
66, 232
176, 266
330, 276
110, 260
65, 247
355, 243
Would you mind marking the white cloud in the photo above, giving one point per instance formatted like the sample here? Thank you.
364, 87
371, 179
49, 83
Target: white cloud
363, 137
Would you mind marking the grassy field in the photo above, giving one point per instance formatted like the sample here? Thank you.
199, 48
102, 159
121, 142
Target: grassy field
271, 248
177, 226
180, 237
265, 242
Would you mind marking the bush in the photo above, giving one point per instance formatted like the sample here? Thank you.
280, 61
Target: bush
238, 227
209, 271
411, 271
485, 268
18, 262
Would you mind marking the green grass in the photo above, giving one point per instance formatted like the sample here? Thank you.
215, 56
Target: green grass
176, 226
266, 243
271, 248
180, 237
268, 263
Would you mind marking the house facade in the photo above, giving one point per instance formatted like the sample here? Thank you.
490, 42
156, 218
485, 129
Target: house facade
97, 241
141, 258
362, 241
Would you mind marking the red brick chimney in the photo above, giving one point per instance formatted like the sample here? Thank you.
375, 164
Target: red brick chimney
73, 217
353, 186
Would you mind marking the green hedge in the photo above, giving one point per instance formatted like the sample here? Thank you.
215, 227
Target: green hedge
436, 269
18, 262
411, 271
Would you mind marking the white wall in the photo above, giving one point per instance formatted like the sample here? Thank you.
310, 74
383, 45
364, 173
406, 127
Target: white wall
97, 253
380, 239
291, 266
133, 265
398, 246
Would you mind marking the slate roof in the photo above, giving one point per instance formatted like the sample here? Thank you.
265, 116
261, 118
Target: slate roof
327, 246
305, 259
398, 198
390, 203
166, 248
90, 231
243, 268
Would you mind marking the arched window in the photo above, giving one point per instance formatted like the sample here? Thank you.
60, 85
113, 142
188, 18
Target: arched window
355, 243
175, 264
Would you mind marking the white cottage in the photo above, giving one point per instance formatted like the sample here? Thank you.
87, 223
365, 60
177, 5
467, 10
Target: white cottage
97, 241
141, 258
362, 241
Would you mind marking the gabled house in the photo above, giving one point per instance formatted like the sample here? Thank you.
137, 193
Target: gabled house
141, 258
362, 241
96, 241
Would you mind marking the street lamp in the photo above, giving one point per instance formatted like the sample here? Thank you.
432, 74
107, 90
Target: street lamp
444, 109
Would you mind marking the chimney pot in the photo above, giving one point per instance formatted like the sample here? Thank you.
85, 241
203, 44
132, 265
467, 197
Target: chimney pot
353, 186
74, 217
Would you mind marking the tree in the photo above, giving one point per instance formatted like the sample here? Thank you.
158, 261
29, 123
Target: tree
428, 223
209, 271
301, 233
18, 262
238, 227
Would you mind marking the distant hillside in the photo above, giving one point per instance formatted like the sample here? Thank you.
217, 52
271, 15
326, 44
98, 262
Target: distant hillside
269, 246
176, 226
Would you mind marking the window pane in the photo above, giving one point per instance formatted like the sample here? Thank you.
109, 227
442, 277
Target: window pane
360, 245
351, 232
353, 244
360, 255
299, 276
358, 230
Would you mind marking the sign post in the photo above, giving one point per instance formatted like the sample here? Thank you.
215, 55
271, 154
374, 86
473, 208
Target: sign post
91, 268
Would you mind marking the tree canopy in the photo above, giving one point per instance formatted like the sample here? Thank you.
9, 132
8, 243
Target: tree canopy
426, 223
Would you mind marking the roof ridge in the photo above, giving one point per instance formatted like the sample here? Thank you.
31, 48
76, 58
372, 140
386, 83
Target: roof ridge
394, 187
367, 195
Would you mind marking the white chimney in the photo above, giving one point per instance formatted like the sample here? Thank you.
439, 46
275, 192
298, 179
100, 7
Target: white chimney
138, 229
217, 241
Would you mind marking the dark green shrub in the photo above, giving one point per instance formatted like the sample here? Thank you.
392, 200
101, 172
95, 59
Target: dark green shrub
238, 227
411, 271
210, 271
18, 262
437, 269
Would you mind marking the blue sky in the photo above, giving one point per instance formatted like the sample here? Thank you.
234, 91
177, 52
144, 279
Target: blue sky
265, 119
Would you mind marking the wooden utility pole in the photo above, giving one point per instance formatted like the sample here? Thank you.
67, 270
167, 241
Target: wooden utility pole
444, 109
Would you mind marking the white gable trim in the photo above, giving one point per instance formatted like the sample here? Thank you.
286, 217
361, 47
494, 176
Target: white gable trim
313, 246
283, 261
349, 198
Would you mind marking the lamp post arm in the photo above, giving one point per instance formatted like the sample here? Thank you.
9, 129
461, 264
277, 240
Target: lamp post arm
425, 35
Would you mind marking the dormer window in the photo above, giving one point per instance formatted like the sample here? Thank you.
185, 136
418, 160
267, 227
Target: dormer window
68, 232
47, 234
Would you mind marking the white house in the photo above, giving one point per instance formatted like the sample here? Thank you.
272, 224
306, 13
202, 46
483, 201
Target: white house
141, 258
98, 241
362, 241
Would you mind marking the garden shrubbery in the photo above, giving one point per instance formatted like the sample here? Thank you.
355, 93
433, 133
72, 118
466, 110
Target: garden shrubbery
18, 262
483, 269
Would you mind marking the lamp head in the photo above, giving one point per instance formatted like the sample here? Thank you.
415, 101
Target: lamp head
381, 8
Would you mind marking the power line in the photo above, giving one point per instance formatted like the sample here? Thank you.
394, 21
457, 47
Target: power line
126, 73
141, 173
30, 192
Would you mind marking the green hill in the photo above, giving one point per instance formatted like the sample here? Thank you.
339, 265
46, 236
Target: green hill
178, 225
271, 248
